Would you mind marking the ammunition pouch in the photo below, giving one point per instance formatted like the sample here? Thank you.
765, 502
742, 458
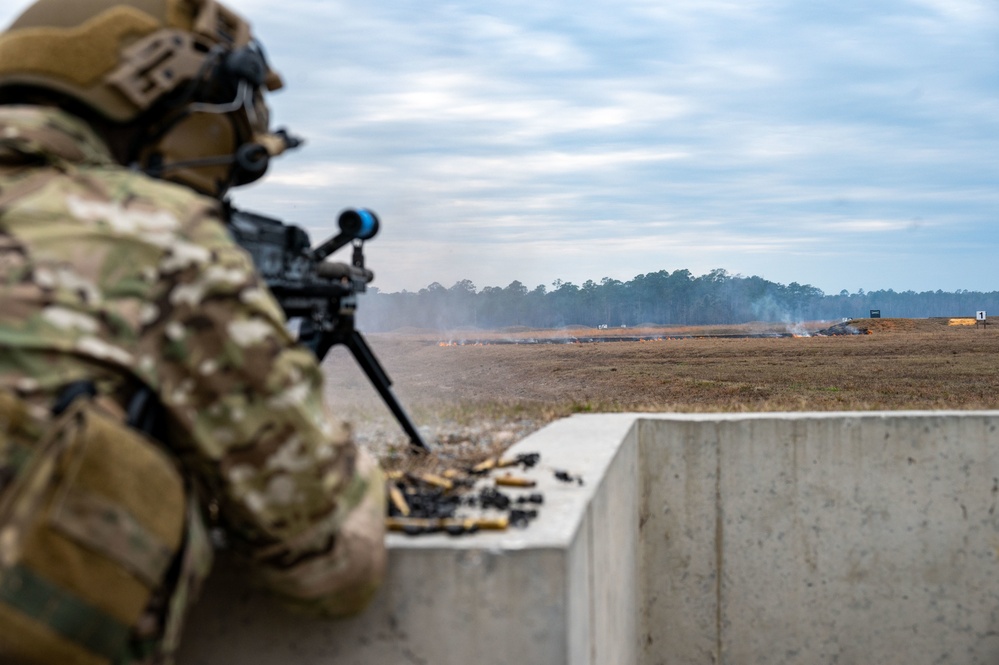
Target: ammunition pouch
92, 516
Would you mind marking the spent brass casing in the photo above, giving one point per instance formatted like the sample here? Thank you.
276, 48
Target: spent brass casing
486, 523
515, 481
398, 500
436, 481
484, 466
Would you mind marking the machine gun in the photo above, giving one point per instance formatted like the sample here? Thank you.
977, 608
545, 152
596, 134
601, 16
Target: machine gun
319, 297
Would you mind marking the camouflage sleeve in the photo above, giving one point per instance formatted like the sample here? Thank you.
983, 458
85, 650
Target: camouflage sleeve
296, 495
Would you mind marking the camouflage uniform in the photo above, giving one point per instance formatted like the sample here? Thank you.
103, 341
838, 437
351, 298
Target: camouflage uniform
110, 276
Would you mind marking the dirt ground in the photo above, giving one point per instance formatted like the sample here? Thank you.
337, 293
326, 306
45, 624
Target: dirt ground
468, 393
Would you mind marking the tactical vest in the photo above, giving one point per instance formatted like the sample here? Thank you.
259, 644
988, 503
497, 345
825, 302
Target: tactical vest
92, 514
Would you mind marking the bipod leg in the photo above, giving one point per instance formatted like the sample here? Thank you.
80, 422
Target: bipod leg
380, 379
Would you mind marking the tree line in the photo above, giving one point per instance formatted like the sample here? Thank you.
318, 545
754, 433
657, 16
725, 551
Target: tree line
662, 298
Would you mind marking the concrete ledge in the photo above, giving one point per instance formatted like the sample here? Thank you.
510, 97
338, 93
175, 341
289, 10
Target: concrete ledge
562, 590
737, 538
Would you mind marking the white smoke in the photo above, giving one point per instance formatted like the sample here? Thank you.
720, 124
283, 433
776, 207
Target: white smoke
768, 309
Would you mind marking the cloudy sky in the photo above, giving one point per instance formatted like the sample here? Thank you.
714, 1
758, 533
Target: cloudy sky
841, 143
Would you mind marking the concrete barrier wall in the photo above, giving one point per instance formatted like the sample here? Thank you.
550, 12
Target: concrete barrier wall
762, 538
811, 538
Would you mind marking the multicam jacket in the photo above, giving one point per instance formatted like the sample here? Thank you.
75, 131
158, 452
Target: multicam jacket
110, 276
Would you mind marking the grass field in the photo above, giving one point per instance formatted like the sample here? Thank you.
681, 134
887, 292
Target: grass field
483, 395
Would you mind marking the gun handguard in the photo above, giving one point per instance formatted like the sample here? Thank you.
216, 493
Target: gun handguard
335, 270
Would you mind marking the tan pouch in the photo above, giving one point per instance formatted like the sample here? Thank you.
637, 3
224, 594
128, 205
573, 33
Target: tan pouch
91, 516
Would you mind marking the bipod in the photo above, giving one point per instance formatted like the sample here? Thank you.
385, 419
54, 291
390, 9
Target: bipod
344, 333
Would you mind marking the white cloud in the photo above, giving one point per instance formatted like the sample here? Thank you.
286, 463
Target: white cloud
319, 175
708, 11
975, 12
871, 225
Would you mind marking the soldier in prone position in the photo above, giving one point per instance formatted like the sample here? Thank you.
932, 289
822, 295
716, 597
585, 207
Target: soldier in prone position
149, 390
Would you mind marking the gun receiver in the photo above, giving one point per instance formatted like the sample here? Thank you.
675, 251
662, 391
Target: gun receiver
319, 296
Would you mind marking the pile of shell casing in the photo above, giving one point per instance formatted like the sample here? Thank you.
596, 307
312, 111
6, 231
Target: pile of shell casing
459, 501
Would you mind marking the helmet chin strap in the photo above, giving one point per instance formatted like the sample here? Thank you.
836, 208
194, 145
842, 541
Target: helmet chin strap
159, 170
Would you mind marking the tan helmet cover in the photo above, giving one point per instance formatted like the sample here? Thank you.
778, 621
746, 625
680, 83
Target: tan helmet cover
119, 57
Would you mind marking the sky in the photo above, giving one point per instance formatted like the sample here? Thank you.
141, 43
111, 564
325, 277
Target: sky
845, 144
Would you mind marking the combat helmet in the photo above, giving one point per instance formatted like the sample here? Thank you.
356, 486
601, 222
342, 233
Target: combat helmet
185, 75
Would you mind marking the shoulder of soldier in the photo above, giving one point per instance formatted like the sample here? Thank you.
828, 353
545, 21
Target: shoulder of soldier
87, 185
136, 190
52, 133
128, 203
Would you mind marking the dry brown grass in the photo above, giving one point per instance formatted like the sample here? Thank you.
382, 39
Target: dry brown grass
501, 392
